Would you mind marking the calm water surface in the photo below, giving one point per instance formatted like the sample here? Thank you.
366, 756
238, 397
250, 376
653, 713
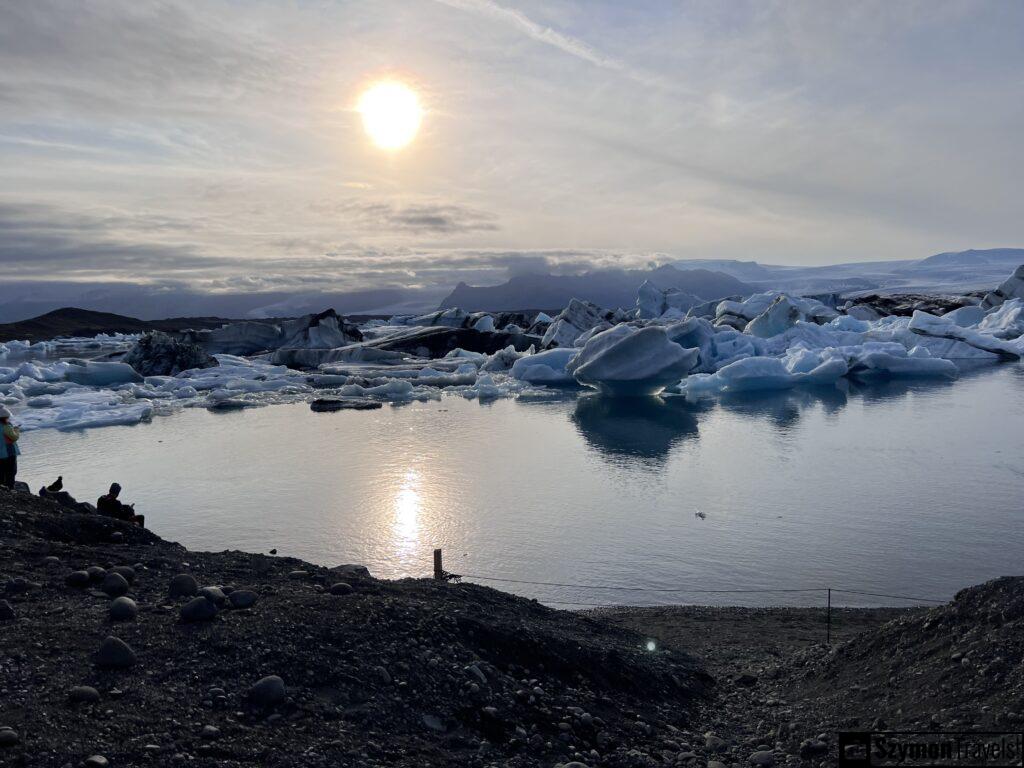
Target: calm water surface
906, 488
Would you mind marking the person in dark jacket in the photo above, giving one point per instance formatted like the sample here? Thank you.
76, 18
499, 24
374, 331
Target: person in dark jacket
111, 506
9, 449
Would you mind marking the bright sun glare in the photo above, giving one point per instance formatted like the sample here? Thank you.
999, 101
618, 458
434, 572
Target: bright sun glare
391, 114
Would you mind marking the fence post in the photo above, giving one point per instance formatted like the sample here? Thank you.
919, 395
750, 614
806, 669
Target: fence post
828, 618
438, 569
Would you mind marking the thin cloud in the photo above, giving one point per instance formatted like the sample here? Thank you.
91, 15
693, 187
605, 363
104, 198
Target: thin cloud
540, 33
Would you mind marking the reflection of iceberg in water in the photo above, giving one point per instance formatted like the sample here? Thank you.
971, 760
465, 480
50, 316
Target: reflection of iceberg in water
784, 408
642, 428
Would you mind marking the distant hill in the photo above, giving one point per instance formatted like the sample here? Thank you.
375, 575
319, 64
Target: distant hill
1004, 258
151, 302
611, 288
72, 321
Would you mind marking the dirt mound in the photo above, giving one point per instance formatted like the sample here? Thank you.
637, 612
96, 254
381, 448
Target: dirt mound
403, 673
955, 666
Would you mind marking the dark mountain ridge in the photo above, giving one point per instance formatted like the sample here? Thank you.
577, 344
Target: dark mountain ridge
611, 288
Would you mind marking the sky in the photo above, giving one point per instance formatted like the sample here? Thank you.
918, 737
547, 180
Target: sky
217, 145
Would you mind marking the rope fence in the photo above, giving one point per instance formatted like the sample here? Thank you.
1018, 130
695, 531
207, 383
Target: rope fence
443, 575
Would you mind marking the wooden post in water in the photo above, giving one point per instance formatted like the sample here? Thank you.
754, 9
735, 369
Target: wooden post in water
828, 613
438, 569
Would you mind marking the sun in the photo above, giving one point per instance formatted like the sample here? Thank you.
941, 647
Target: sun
391, 114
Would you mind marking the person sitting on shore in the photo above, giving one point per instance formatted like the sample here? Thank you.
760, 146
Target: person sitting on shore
111, 506
9, 449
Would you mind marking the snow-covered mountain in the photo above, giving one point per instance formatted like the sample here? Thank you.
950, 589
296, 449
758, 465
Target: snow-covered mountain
953, 271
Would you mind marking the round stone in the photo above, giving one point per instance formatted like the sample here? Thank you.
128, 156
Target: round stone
8, 737
183, 585
210, 732
214, 594
115, 654
96, 573
95, 761
123, 609
77, 579
117, 537
6, 612
198, 609
84, 694
341, 588
127, 571
242, 598
298, 575
763, 758
267, 692
115, 585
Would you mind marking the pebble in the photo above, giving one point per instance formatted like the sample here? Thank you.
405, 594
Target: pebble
123, 609
298, 575
77, 579
341, 588
183, 585
115, 653
6, 612
242, 598
84, 694
210, 732
96, 573
267, 692
95, 761
763, 758
198, 609
114, 584
115, 537
8, 737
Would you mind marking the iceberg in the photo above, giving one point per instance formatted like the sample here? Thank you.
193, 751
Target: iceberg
1005, 321
158, 354
926, 324
893, 359
737, 314
754, 374
652, 301
625, 361
780, 316
546, 367
577, 317
99, 374
485, 323
1011, 288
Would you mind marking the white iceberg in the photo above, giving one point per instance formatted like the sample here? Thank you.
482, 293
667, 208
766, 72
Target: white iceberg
652, 301
547, 367
577, 317
1011, 288
485, 323
625, 361
767, 373
927, 324
1005, 321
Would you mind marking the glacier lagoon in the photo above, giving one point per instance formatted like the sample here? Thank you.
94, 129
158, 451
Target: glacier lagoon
906, 487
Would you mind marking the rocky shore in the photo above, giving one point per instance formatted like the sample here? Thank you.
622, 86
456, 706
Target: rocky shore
118, 648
